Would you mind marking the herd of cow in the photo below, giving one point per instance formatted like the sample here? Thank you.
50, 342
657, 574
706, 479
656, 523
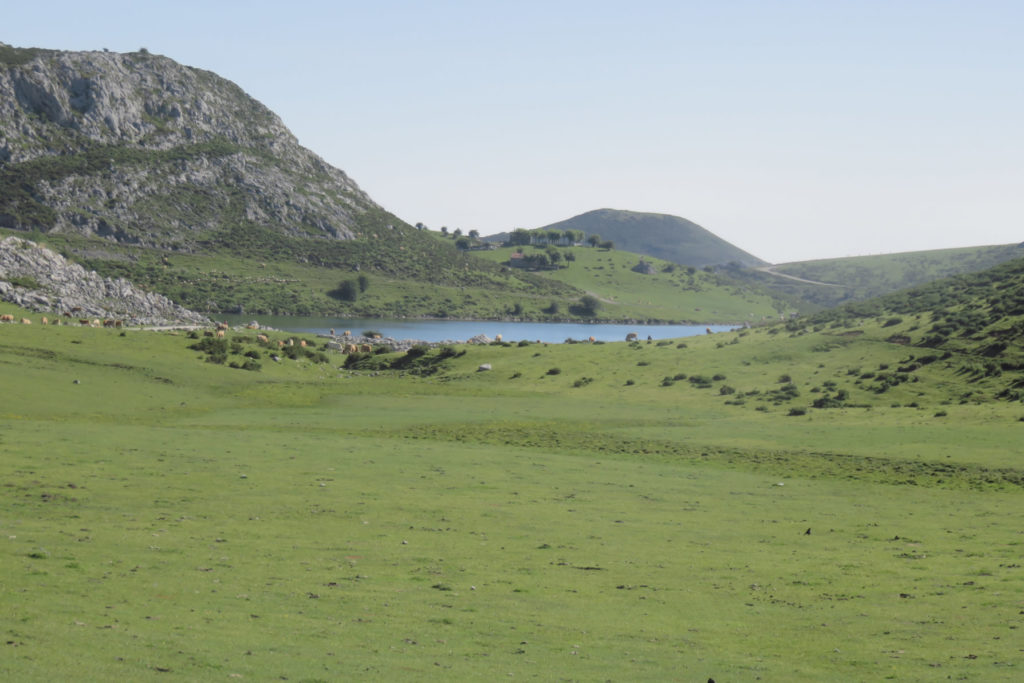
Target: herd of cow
95, 322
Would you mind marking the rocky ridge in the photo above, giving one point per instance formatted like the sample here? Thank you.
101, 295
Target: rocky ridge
137, 148
39, 279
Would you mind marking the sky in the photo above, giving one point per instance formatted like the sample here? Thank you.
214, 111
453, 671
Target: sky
794, 129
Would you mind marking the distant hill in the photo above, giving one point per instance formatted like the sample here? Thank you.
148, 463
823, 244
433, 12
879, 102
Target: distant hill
663, 236
857, 278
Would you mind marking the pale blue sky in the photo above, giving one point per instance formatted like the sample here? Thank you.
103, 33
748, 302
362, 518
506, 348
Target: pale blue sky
795, 130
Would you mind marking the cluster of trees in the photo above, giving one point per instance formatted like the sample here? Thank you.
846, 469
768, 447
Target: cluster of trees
521, 237
349, 290
549, 258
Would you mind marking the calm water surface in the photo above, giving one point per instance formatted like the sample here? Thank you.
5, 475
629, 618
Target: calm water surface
461, 330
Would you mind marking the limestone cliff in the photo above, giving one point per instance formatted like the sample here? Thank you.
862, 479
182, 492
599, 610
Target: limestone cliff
140, 149
34, 277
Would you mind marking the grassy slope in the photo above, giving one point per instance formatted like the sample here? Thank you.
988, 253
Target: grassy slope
301, 521
864, 277
683, 294
269, 273
659, 235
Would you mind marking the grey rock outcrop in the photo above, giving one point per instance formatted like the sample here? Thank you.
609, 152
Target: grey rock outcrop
46, 282
139, 149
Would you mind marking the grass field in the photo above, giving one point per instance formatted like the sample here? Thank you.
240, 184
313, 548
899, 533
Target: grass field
166, 518
674, 293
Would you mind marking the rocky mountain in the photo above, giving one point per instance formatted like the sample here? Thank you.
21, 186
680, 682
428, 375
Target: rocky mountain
33, 277
139, 149
655, 234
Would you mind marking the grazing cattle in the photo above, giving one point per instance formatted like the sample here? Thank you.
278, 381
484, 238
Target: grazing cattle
220, 334
83, 321
302, 343
348, 333
351, 348
280, 344
118, 323
591, 340
223, 326
632, 336
26, 321
66, 314
45, 320
76, 309
107, 322
707, 330
332, 331
262, 338
376, 336
365, 348
497, 337
252, 326
6, 318
291, 342
95, 322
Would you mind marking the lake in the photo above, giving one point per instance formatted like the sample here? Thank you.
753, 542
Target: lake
461, 330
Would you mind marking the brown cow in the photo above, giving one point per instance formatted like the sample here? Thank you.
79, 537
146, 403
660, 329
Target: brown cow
302, 343
365, 348
26, 321
632, 336
6, 318
223, 326
262, 338
592, 340
83, 321
45, 320
348, 333
280, 344
220, 334
351, 348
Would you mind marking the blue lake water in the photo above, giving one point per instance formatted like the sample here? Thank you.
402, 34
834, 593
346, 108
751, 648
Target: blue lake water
460, 330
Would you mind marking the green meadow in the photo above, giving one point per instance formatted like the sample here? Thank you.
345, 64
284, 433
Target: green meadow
649, 511
674, 292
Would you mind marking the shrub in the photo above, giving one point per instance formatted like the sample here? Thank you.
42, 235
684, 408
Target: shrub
796, 412
555, 371
630, 383
783, 379
725, 390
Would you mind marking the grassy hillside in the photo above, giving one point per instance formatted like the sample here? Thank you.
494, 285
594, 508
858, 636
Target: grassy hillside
616, 511
406, 274
659, 235
862, 277
673, 293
